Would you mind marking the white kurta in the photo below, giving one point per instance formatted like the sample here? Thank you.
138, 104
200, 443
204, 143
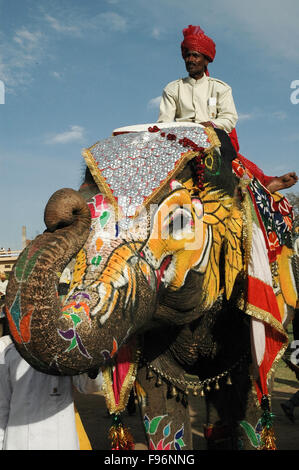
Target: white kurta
206, 99
3, 285
36, 409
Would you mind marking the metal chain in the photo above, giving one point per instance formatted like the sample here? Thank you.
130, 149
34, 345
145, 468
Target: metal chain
198, 385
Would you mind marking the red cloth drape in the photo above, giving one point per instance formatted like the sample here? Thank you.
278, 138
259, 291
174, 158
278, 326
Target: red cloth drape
254, 169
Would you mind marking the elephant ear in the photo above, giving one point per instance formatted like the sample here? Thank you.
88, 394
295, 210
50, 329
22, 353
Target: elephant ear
224, 220
233, 248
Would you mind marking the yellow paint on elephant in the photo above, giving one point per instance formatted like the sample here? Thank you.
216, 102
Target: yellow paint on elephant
225, 220
234, 262
118, 272
178, 232
286, 277
218, 209
198, 242
281, 306
79, 269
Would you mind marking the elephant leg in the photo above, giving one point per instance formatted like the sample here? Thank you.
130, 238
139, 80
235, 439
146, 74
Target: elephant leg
165, 418
236, 411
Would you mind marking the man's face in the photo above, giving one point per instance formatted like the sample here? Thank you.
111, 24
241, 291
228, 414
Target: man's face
196, 63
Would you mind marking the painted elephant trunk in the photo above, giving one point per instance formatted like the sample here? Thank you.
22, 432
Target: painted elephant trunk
67, 336
36, 274
67, 207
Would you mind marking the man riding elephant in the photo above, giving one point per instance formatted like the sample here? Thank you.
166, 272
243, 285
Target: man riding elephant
209, 101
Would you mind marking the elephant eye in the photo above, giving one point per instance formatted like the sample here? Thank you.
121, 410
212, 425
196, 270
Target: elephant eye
213, 163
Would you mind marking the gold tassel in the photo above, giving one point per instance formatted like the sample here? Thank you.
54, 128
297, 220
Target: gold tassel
119, 436
268, 439
267, 434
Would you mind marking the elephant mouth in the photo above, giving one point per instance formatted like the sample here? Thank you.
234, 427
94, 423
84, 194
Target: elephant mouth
160, 273
164, 267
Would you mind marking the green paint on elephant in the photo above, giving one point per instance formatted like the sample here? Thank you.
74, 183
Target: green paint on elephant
96, 260
104, 218
25, 264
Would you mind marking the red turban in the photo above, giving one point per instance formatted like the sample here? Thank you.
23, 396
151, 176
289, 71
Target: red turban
196, 40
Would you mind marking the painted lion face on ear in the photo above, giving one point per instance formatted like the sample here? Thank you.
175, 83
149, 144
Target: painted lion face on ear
189, 232
178, 237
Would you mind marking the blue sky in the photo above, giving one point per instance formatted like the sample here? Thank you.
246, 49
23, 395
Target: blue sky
73, 71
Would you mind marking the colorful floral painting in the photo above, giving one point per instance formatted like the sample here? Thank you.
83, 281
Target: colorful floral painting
151, 427
73, 312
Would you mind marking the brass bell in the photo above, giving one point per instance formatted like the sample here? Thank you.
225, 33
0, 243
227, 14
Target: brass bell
172, 391
149, 374
228, 382
195, 392
159, 382
202, 393
208, 388
217, 387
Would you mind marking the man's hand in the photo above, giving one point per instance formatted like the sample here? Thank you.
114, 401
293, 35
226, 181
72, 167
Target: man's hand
207, 124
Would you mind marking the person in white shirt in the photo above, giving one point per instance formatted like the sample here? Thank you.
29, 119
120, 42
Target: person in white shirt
37, 410
3, 284
209, 101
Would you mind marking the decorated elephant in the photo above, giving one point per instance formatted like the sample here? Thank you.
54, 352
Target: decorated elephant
180, 282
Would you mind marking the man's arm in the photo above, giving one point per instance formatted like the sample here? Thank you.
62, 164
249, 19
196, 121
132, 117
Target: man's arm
226, 111
167, 107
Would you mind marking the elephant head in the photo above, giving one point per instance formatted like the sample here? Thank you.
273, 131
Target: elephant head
155, 208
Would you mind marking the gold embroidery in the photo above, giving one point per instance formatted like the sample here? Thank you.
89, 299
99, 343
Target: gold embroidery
127, 385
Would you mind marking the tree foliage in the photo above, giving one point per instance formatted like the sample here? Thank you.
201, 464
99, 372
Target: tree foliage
294, 201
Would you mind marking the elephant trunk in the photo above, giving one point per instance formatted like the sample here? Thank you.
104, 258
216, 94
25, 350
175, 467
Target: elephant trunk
96, 317
67, 207
32, 302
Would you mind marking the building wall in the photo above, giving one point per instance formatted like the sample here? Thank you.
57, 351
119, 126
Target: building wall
8, 259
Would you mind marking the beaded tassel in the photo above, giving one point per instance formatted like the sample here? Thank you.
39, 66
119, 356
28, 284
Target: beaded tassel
120, 437
267, 434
